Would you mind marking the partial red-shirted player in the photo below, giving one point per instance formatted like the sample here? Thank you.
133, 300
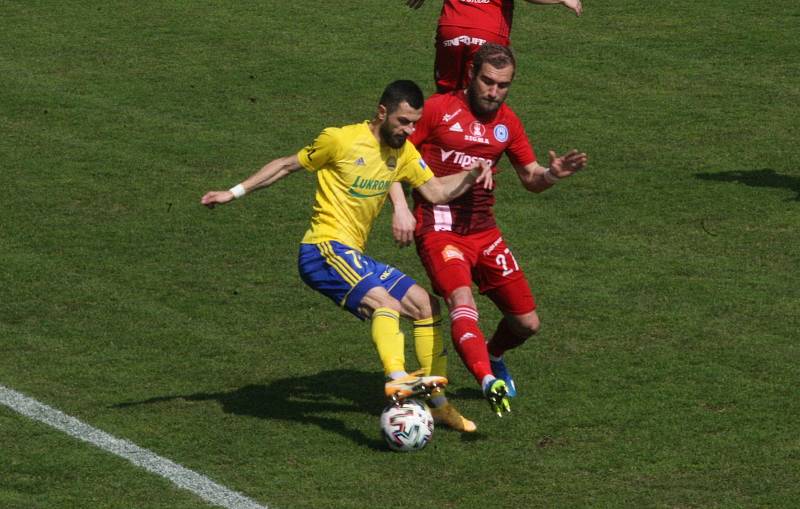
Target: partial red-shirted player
465, 25
459, 242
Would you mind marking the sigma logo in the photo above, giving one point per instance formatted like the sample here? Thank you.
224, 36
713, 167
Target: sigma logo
462, 159
477, 129
477, 133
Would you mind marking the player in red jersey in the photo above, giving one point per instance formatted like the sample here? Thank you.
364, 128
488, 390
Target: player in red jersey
459, 243
465, 25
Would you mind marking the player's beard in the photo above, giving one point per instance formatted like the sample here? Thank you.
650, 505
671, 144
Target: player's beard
479, 106
393, 140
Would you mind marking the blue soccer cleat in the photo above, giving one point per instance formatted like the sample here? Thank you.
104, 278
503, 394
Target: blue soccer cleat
500, 371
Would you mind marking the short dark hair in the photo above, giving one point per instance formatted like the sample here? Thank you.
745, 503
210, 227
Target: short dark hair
496, 55
401, 91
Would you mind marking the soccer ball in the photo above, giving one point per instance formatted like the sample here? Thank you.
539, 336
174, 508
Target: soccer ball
407, 426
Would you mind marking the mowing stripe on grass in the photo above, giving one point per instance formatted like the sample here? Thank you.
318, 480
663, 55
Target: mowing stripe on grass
184, 478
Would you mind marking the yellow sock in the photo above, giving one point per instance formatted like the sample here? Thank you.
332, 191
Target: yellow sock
388, 339
429, 345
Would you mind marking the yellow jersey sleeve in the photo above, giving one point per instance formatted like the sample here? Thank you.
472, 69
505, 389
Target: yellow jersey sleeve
323, 149
411, 168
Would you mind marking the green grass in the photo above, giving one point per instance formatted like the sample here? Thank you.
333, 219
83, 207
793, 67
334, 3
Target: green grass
666, 275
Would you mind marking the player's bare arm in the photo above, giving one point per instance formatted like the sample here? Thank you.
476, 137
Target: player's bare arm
267, 175
536, 178
573, 5
403, 220
440, 190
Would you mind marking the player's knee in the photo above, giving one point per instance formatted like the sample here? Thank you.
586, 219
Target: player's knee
532, 328
429, 307
378, 297
461, 296
367, 309
526, 325
420, 304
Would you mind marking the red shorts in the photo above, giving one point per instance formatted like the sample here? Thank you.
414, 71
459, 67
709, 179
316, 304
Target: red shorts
453, 261
455, 48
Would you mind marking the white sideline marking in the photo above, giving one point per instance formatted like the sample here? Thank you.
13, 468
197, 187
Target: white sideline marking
184, 478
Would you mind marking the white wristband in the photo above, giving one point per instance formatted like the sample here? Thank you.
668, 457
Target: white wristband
238, 191
549, 177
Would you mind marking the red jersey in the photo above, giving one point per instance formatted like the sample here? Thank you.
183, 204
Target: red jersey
450, 138
491, 15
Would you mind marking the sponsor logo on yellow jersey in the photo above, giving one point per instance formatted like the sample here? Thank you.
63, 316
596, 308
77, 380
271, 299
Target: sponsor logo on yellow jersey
367, 188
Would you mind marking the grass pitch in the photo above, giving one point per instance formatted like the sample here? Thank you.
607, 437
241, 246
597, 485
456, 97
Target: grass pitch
666, 371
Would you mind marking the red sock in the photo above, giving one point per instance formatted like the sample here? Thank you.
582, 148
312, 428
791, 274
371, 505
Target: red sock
504, 339
469, 341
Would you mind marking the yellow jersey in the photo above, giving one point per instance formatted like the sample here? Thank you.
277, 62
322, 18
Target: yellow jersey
354, 172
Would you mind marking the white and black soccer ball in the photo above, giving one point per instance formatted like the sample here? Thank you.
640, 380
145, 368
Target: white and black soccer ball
407, 426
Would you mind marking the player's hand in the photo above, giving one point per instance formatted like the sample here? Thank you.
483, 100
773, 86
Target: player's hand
415, 4
568, 164
485, 178
403, 224
212, 198
575, 5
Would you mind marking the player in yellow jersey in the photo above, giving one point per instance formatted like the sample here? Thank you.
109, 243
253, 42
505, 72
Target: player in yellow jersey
355, 166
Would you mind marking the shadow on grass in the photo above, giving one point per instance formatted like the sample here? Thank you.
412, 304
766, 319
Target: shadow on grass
314, 399
757, 178
465, 393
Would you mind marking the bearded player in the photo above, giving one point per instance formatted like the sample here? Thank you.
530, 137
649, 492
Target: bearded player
460, 243
465, 25
354, 167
